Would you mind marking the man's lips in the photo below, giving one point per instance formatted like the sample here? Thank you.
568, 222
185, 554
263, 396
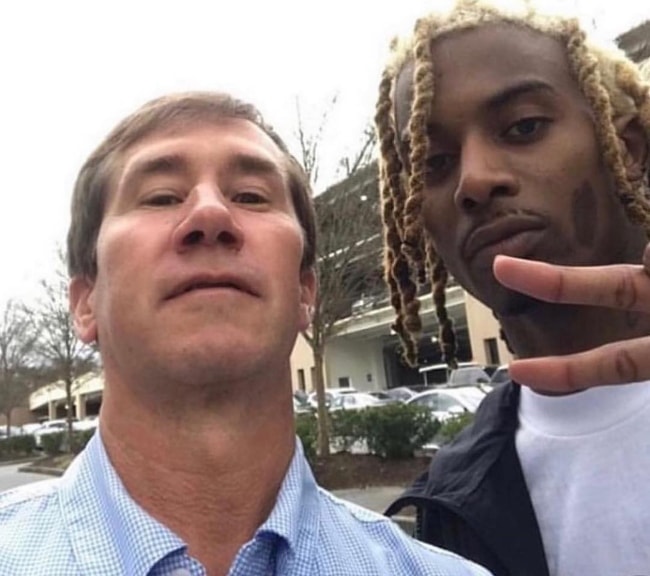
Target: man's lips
212, 281
498, 231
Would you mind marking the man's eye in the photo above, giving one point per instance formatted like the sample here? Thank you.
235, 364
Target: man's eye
249, 197
162, 199
526, 128
438, 166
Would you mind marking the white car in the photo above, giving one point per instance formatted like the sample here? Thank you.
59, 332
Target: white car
87, 423
446, 403
330, 395
30, 427
13, 431
49, 427
501, 376
358, 401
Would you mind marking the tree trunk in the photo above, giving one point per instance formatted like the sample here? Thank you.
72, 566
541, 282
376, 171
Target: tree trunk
69, 412
323, 415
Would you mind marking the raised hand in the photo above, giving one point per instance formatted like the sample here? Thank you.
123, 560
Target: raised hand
625, 287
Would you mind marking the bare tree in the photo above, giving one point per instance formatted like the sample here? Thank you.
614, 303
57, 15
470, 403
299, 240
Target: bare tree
347, 248
310, 141
64, 357
17, 339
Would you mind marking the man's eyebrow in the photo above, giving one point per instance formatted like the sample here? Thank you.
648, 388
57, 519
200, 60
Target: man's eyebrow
253, 164
497, 100
165, 164
511, 93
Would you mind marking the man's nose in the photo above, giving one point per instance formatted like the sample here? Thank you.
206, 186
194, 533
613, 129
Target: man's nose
209, 221
484, 174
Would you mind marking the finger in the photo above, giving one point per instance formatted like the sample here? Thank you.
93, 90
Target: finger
617, 363
622, 286
646, 258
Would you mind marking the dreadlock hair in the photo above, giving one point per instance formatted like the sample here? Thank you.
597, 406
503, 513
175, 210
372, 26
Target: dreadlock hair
611, 84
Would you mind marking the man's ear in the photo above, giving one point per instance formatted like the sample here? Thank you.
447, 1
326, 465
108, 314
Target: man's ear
81, 294
635, 146
308, 290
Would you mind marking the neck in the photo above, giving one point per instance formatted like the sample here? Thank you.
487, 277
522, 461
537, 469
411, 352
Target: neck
212, 476
551, 329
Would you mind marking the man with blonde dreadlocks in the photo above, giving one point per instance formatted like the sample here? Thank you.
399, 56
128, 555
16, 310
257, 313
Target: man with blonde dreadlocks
514, 150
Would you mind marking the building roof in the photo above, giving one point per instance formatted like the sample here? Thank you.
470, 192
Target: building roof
636, 42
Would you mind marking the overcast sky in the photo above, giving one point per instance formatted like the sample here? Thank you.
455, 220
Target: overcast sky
71, 69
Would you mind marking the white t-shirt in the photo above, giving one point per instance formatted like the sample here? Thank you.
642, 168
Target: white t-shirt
586, 460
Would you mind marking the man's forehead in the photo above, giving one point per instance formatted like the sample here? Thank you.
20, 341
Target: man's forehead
244, 139
486, 60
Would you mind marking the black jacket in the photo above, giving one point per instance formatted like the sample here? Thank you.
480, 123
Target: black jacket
473, 499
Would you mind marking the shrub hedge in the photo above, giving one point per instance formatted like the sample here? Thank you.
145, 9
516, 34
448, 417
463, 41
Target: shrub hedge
56, 443
394, 431
17, 447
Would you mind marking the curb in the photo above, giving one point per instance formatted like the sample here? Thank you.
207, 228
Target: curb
19, 461
41, 470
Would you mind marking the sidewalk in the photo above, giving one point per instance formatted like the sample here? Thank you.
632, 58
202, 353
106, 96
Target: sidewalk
377, 498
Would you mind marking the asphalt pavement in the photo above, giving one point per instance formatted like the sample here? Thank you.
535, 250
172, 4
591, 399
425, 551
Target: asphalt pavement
10, 477
375, 498
378, 498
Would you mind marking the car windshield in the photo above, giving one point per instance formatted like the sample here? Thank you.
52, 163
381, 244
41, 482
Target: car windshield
470, 397
500, 376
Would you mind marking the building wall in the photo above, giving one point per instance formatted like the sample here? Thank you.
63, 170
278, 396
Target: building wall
19, 416
359, 361
302, 362
482, 327
356, 354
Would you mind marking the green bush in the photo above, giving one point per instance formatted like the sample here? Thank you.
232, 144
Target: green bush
57, 442
451, 427
52, 444
346, 428
17, 446
398, 430
79, 440
307, 431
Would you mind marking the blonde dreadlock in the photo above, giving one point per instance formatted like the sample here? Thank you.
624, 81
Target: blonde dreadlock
611, 84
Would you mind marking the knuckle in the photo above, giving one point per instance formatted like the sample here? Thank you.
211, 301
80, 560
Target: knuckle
625, 367
625, 293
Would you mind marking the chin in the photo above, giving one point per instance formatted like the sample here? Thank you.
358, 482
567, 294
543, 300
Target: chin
514, 304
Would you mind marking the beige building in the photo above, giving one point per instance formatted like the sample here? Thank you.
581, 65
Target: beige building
49, 401
365, 354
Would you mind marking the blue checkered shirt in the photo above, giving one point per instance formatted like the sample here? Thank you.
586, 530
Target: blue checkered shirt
86, 524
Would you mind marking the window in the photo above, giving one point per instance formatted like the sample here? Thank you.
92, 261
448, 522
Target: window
491, 351
301, 379
344, 382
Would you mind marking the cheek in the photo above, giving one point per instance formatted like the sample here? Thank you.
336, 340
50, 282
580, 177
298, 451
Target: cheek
584, 214
440, 225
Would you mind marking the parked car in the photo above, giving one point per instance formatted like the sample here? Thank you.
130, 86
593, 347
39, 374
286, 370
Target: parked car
330, 395
401, 393
358, 401
49, 427
500, 376
468, 376
13, 431
465, 374
445, 403
385, 396
30, 427
300, 404
87, 423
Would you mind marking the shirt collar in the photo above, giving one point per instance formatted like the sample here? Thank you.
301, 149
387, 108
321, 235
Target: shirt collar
294, 517
109, 532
